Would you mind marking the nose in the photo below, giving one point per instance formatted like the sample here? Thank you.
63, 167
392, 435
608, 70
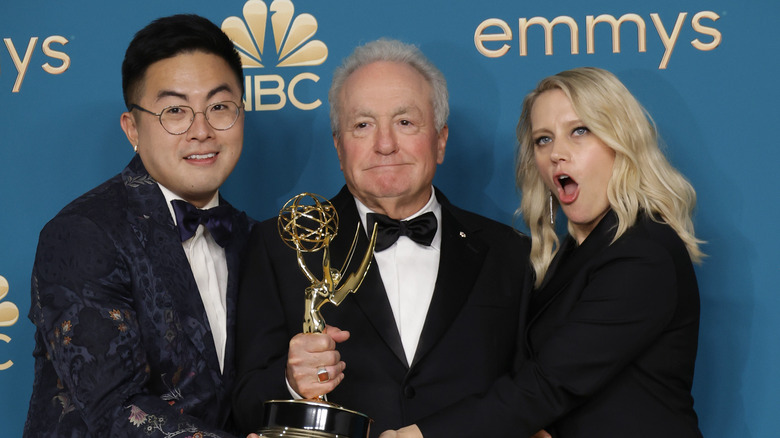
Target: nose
560, 150
200, 128
386, 141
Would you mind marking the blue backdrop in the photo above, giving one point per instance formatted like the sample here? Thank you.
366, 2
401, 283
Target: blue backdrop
705, 69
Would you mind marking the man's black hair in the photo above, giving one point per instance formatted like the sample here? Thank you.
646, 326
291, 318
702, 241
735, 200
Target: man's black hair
167, 37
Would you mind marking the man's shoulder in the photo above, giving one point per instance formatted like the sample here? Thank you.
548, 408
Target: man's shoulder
487, 228
102, 201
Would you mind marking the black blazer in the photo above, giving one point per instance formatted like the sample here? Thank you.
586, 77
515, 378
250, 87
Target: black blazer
611, 345
468, 340
123, 345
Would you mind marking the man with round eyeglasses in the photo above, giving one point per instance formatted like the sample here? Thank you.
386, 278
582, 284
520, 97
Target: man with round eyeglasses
134, 284
177, 119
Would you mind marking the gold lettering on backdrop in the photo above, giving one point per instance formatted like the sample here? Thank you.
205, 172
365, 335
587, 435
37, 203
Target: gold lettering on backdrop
669, 41
51, 53
495, 30
9, 314
480, 37
254, 92
606, 18
22, 63
714, 33
259, 92
9, 363
291, 91
548, 35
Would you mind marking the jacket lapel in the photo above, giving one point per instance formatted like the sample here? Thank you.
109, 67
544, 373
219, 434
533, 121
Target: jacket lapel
168, 264
233, 253
462, 256
371, 297
569, 261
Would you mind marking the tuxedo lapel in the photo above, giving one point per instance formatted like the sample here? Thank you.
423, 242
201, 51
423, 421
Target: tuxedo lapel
169, 268
461, 259
233, 253
569, 260
371, 297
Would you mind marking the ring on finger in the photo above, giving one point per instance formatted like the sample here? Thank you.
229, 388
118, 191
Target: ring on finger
322, 375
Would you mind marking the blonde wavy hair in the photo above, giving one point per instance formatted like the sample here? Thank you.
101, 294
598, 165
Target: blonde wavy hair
642, 178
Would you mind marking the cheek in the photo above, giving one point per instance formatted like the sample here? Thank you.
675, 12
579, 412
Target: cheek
539, 162
348, 158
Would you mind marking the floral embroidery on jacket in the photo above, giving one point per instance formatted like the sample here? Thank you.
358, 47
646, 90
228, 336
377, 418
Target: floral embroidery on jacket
153, 423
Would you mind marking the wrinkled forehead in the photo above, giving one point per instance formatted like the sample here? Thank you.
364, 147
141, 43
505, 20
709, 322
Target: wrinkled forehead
387, 87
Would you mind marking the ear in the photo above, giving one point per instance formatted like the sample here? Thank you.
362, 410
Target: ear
127, 121
441, 145
338, 150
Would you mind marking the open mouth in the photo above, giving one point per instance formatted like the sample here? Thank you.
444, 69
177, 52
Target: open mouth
568, 188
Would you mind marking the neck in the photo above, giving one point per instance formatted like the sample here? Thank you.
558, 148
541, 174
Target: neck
580, 232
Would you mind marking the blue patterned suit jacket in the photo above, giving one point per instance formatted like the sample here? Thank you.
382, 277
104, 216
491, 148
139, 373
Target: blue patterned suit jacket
123, 344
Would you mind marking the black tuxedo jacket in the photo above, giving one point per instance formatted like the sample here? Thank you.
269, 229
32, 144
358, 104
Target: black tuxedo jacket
123, 343
611, 345
468, 340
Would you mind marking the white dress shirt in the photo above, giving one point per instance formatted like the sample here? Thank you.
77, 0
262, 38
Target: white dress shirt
209, 267
409, 270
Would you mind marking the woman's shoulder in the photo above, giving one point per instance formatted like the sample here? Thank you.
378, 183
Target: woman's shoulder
651, 237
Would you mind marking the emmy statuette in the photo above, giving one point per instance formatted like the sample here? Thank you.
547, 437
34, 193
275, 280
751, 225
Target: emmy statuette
308, 223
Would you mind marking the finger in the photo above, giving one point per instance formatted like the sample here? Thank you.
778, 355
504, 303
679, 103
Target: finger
336, 333
303, 361
323, 380
328, 373
312, 342
323, 375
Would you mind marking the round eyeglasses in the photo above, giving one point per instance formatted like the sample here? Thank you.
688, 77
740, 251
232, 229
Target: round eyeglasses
177, 119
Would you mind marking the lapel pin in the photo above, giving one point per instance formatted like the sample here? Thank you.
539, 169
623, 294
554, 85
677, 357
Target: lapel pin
462, 234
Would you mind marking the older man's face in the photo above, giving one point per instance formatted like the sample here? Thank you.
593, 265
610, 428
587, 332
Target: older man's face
389, 147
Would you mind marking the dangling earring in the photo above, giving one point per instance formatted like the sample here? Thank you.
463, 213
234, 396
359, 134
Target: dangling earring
552, 217
135, 148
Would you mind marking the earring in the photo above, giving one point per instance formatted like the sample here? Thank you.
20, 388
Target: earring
135, 148
552, 217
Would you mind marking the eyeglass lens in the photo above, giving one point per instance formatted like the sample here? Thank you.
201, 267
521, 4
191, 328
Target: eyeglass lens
178, 119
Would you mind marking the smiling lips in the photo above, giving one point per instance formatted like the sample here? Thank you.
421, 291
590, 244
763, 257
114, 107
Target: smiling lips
568, 189
201, 157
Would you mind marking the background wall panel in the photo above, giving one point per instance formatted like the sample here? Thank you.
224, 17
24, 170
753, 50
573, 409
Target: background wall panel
715, 101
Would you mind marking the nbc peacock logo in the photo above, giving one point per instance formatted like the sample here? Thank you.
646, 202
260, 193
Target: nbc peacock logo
294, 47
9, 314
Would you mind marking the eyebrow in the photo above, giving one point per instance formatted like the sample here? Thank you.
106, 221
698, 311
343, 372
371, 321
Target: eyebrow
406, 109
567, 123
212, 93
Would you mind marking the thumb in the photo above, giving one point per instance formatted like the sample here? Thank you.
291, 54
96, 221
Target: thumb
336, 333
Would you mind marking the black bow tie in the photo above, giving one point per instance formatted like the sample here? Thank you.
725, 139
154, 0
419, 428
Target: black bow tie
420, 229
217, 220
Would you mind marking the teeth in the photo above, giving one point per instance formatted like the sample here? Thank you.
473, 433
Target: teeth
563, 177
201, 157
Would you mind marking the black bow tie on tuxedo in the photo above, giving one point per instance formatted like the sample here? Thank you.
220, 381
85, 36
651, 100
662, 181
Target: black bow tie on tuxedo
420, 229
218, 220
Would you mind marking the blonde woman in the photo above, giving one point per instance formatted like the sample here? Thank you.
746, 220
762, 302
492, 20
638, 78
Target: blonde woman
614, 315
